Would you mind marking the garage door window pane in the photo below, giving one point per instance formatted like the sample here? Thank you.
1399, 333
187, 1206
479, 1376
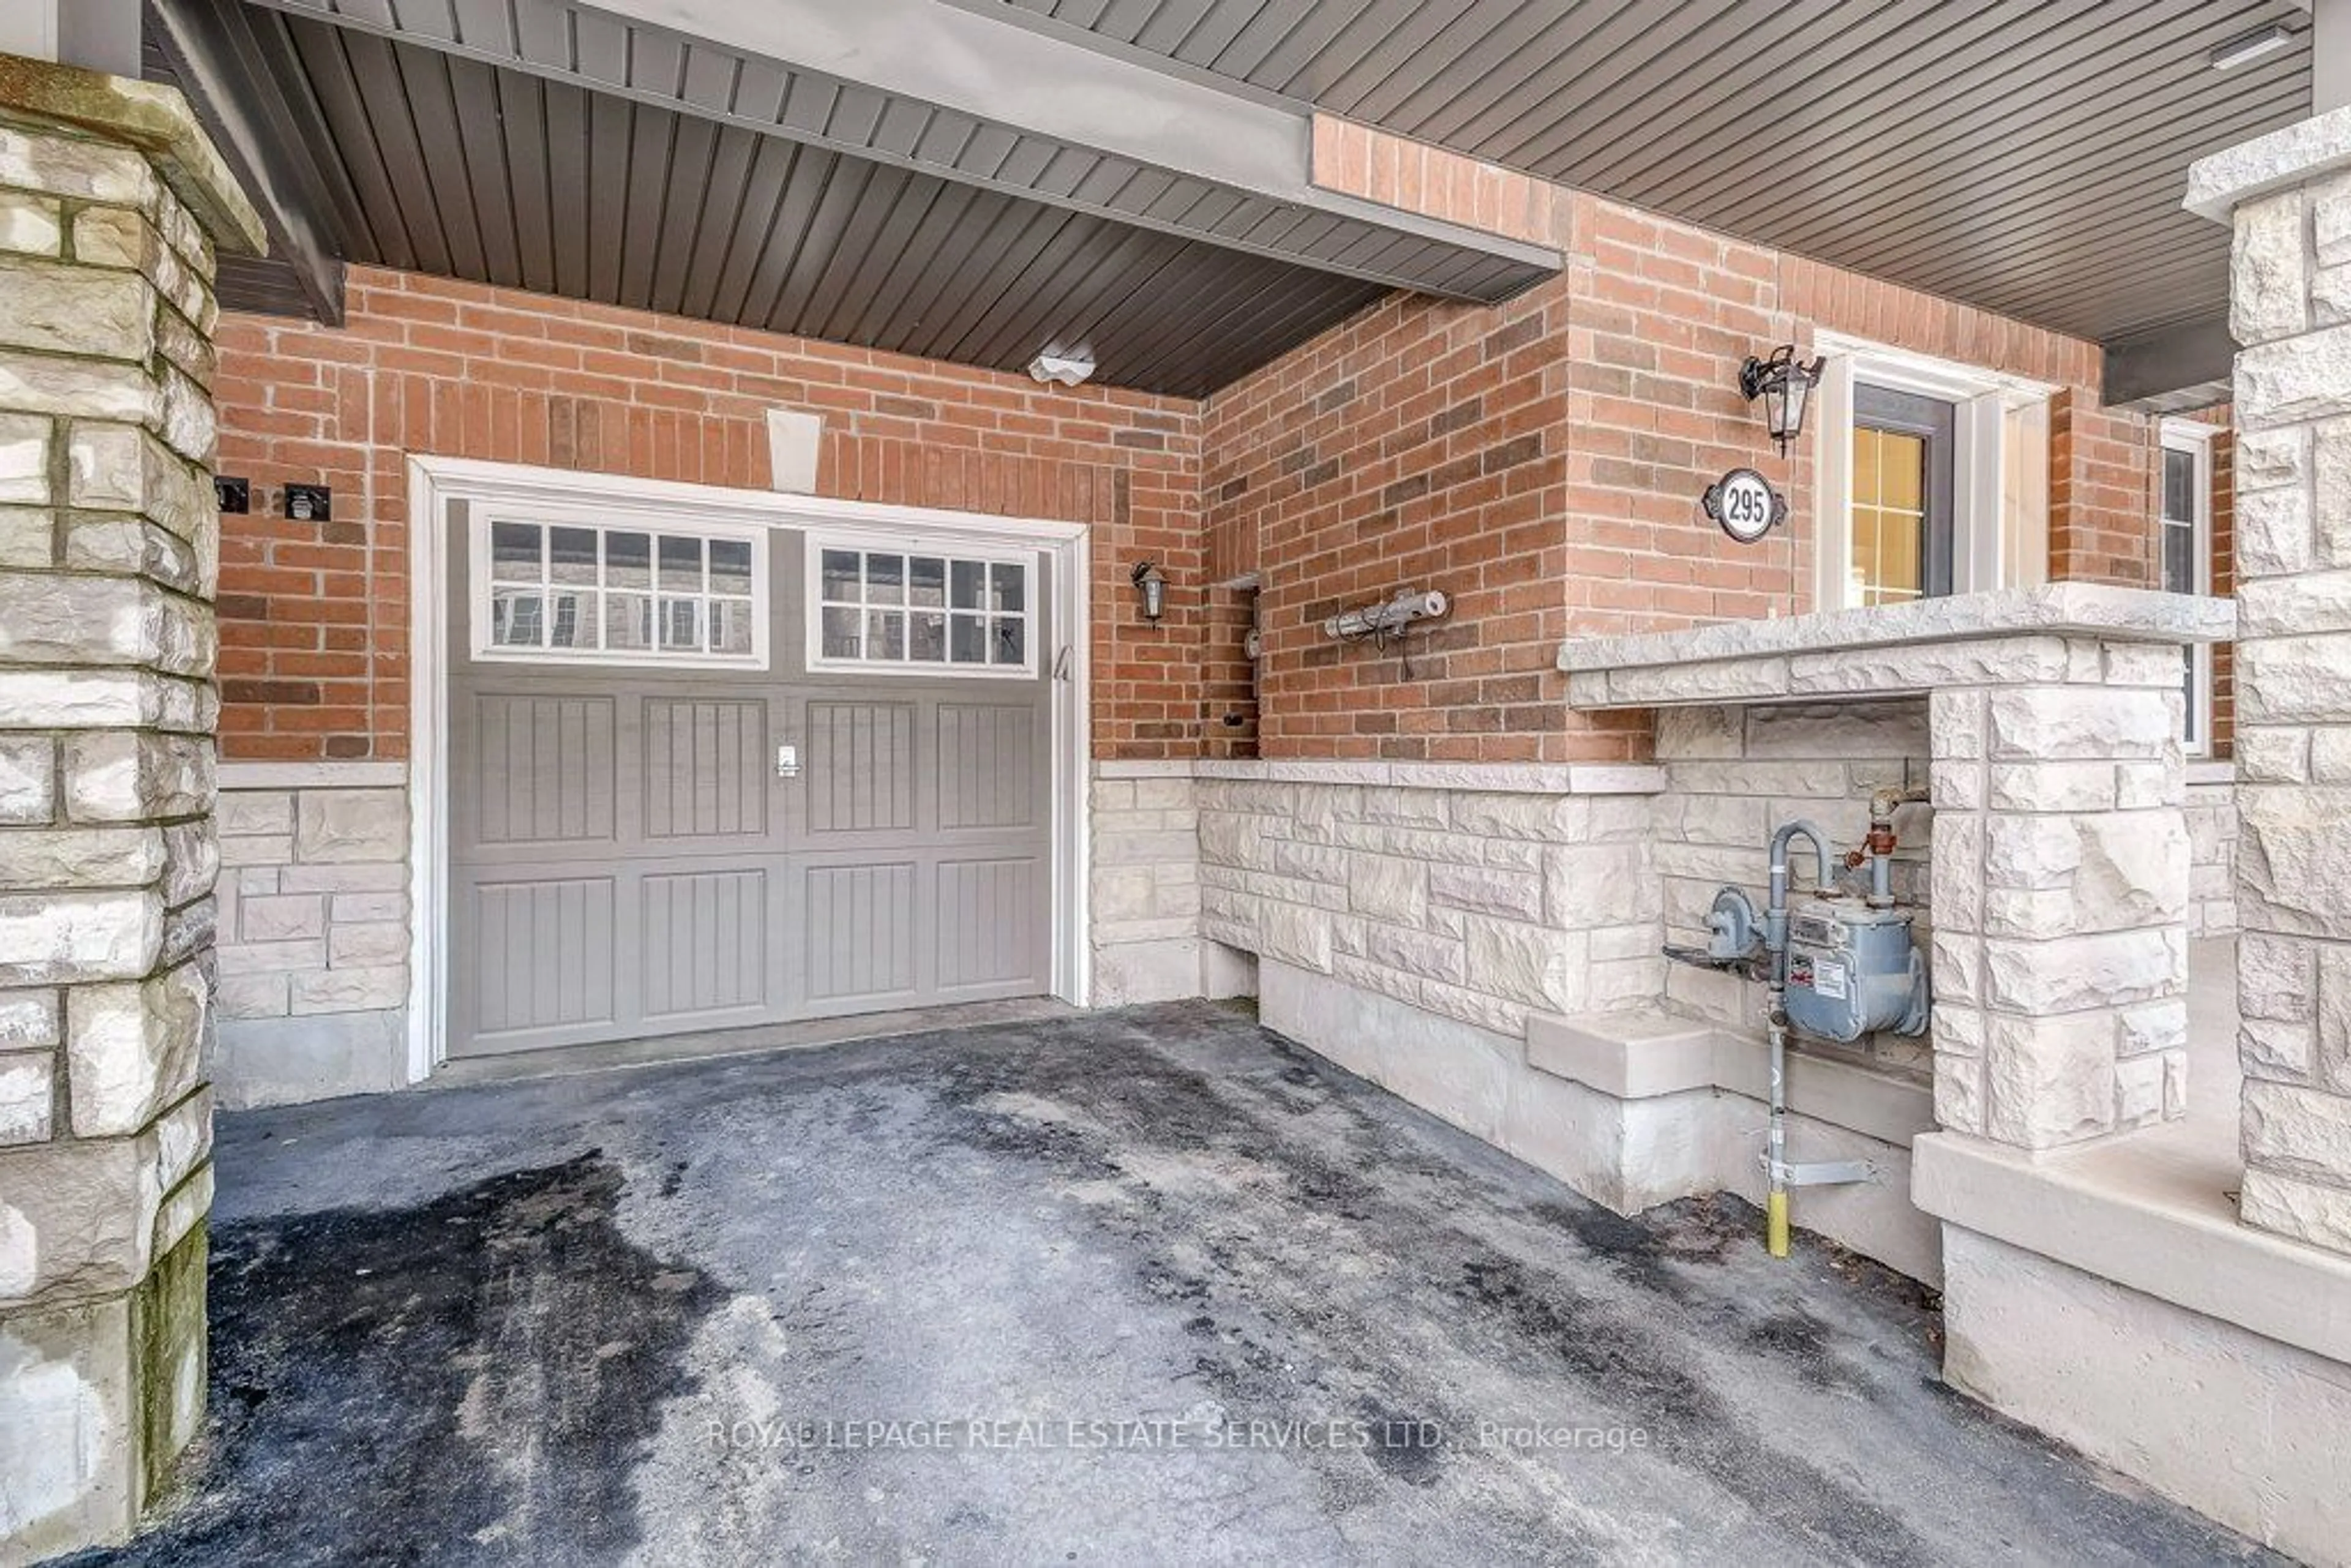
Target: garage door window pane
628, 560
926, 639
970, 577
571, 556
730, 625
627, 621
842, 574
516, 617
680, 563
1011, 641
926, 582
514, 553
1012, 583
730, 567
571, 621
841, 633
968, 640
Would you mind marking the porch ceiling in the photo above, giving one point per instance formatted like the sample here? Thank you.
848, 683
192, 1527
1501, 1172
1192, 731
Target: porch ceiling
443, 163
979, 180
2027, 158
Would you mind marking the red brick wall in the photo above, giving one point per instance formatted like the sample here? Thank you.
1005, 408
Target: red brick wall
2103, 477
2224, 579
1543, 462
314, 617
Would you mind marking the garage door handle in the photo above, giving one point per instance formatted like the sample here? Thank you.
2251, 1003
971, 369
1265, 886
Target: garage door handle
787, 762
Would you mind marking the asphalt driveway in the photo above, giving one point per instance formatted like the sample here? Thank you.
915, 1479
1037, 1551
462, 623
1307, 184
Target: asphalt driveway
1145, 1286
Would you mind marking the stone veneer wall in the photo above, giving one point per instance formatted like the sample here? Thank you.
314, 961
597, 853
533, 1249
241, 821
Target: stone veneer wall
1733, 774
314, 931
1480, 905
2291, 306
2211, 858
108, 564
1145, 883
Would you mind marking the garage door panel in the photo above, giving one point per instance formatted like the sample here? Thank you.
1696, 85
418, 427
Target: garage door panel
543, 767
860, 937
706, 768
860, 774
988, 931
706, 942
542, 954
989, 763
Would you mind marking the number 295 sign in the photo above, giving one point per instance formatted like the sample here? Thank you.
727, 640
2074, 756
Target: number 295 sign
1746, 505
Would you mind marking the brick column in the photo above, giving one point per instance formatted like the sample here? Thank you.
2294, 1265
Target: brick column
2289, 195
109, 201
2060, 901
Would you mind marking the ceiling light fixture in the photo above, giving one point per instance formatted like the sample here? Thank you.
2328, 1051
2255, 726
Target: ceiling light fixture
2252, 47
1068, 369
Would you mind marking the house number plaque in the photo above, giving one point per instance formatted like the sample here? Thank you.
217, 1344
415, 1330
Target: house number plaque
1746, 505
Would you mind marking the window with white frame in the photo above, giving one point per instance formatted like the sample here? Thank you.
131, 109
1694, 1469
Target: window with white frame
2185, 524
894, 609
1934, 477
615, 594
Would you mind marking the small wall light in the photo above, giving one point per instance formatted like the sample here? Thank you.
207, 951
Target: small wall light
1152, 584
1785, 384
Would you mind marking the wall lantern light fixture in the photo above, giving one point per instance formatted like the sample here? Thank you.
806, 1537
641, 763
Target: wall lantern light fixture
1785, 384
1152, 584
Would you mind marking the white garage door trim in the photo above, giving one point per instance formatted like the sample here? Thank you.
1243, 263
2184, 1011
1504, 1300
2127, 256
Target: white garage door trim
434, 481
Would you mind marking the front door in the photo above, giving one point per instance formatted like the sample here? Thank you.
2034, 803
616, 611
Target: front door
713, 779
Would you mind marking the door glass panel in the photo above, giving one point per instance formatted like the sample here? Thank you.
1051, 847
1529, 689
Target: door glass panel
1889, 515
2178, 484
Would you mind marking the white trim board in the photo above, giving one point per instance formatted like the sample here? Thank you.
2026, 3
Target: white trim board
1998, 540
434, 481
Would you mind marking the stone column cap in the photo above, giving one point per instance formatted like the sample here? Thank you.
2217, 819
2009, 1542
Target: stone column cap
2218, 185
154, 119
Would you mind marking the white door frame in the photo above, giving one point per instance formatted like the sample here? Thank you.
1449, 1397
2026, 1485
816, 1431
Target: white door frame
434, 481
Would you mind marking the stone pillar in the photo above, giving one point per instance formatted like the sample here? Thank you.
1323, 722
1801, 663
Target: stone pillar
2060, 901
110, 201
2289, 197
